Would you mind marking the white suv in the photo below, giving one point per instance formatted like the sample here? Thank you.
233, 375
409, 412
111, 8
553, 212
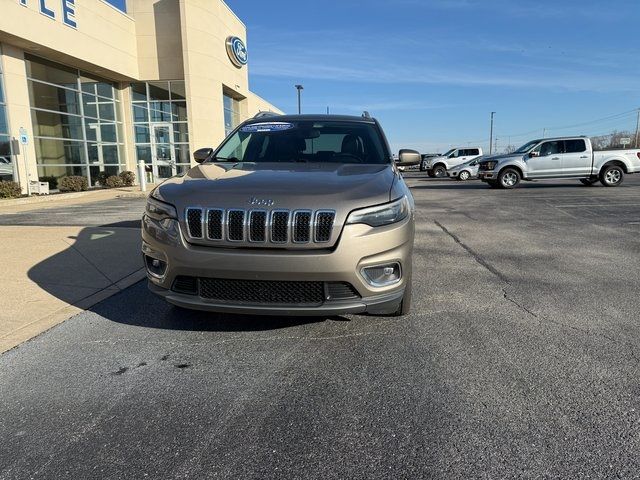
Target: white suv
438, 166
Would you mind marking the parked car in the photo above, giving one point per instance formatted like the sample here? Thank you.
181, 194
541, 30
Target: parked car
425, 157
466, 171
437, 166
297, 215
563, 157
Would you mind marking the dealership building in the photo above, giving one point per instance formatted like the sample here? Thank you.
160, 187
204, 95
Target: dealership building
86, 88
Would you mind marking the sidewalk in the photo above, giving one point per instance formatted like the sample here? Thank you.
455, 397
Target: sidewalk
51, 273
23, 204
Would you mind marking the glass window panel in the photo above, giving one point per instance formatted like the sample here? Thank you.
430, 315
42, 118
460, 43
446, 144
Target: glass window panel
49, 97
49, 151
160, 111
158, 90
106, 111
142, 134
182, 154
182, 169
4, 128
179, 111
91, 131
88, 87
6, 161
5, 146
90, 106
49, 124
178, 91
1, 91
139, 92
227, 102
143, 153
180, 132
140, 113
57, 171
51, 72
92, 151
110, 154
105, 89
108, 132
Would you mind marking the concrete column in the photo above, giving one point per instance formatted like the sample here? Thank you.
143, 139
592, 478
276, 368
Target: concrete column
18, 110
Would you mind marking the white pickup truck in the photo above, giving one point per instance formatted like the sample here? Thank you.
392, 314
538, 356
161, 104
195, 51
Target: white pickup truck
566, 157
438, 166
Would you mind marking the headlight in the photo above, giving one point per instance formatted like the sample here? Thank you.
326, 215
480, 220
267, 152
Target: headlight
159, 210
382, 214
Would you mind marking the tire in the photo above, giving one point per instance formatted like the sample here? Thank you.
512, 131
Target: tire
508, 178
493, 183
464, 175
431, 174
439, 171
405, 305
588, 181
612, 176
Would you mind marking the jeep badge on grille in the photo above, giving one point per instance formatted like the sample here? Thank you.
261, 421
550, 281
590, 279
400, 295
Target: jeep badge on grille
261, 202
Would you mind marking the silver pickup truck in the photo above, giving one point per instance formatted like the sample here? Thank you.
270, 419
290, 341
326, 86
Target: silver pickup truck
566, 157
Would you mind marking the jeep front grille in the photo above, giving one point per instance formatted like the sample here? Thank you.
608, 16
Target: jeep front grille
259, 226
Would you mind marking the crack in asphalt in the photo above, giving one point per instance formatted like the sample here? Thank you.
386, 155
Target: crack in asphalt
478, 258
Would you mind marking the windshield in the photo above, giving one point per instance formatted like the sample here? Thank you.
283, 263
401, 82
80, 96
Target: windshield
527, 146
449, 152
323, 141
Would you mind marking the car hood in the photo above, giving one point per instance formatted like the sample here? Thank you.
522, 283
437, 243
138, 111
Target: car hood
291, 186
493, 158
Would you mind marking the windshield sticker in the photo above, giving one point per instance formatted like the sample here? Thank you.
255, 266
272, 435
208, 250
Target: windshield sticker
267, 127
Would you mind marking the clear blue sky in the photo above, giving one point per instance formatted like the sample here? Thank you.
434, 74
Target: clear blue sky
432, 70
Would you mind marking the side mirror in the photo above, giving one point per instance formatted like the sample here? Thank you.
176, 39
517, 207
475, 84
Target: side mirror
408, 157
534, 154
202, 154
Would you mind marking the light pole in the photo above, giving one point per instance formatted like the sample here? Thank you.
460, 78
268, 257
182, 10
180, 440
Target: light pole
637, 128
299, 88
491, 134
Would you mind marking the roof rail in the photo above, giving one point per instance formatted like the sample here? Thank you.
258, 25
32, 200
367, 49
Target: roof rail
365, 114
265, 114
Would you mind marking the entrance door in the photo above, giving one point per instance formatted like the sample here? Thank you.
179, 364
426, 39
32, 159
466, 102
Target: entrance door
162, 151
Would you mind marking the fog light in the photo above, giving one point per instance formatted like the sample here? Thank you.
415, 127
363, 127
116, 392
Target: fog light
382, 275
155, 267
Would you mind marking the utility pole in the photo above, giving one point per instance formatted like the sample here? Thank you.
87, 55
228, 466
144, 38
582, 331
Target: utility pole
491, 134
544, 132
637, 128
327, 110
299, 88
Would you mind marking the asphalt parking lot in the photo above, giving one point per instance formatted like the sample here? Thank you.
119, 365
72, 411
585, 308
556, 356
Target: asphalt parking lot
520, 360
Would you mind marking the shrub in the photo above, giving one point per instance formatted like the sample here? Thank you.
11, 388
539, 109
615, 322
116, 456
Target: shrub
9, 189
101, 178
73, 183
114, 181
128, 178
52, 181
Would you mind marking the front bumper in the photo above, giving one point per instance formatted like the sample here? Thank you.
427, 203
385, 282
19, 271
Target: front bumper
359, 246
487, 175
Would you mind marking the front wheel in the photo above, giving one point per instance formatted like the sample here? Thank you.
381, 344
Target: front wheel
612, 176
439, 171
509, 178
405, 305
464, 176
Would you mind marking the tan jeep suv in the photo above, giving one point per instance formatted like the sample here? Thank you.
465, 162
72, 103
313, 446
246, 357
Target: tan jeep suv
291, 215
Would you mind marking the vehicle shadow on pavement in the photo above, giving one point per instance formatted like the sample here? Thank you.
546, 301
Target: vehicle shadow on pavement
104, 262
475, 185
139, 307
